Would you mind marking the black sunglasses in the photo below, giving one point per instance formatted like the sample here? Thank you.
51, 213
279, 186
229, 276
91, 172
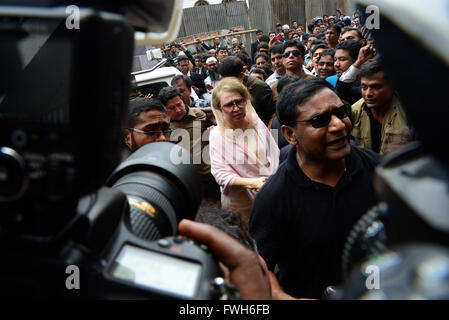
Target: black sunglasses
322, 120
296, 53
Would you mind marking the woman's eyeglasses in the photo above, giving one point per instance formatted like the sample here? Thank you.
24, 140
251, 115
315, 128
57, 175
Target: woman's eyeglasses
239, 103
323, 120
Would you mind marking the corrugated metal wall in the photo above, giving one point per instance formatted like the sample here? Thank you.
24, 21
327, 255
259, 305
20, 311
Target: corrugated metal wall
298, 11
204, 19
262, 14
265, 14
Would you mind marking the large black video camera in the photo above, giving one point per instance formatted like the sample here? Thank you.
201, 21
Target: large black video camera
400, 248
64, 90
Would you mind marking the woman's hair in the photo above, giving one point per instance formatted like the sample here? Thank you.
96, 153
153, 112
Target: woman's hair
228, 84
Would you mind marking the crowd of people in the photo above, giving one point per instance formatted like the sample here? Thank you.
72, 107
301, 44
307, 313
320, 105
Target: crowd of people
286, 136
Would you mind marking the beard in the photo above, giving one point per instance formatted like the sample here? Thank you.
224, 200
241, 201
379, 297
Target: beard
214, 75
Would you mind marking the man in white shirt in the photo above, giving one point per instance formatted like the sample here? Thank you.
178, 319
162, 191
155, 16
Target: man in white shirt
277, 63
214, 76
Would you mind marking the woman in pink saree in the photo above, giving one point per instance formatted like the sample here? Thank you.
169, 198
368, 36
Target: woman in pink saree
243, 152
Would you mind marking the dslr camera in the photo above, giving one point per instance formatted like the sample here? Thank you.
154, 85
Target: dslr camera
74, 223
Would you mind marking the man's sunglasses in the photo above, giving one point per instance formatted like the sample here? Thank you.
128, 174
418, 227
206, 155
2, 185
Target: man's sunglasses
296, 53
153, 134
323, 120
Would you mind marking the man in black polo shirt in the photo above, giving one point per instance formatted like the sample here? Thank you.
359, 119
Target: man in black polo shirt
305, 211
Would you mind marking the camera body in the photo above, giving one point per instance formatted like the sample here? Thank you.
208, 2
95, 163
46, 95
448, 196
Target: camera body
63, 108
61, 114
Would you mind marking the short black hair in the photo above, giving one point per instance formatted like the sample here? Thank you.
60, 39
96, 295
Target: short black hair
294, 43
315, 47
267, 70
371, 67
262, 45
259, 71
184, 78
259, 31
318, 41
230, 67
320, 35
222, 48
336, 27
236, 46
276, 49
168, 93
262, 55
359, 33
245, 58
286, 80
200, 57
352, 46
327, 52
264, 38
310, 27
138, 105
341, 24
182, 58
229, 222
297, 94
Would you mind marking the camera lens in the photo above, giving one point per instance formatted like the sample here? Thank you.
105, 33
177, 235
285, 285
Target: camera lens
160, 192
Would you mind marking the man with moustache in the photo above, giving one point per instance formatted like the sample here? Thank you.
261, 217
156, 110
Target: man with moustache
211, 81
277, 63
304, 213
349, 57
325, 64
293, 60
378, 117
198, 82
148, 121
190, 119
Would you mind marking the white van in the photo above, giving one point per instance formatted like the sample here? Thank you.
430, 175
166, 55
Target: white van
151, 81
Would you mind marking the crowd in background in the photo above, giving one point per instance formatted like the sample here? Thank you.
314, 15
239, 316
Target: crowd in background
291, 127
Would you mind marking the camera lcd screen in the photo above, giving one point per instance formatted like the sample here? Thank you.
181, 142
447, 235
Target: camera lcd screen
36, 71
157, 271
